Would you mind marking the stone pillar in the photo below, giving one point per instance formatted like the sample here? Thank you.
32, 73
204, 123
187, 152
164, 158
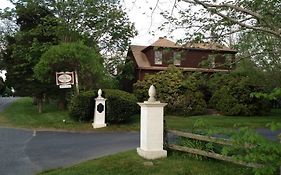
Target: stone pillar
99, 117
151, 131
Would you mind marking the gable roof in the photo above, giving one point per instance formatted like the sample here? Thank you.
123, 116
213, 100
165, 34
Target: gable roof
140, 57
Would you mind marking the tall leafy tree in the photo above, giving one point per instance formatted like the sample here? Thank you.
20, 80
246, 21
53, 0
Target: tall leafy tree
101, 21
73, 57
252, 26
39, 24
24, 47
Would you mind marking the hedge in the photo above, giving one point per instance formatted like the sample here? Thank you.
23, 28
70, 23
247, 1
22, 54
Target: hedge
120, 106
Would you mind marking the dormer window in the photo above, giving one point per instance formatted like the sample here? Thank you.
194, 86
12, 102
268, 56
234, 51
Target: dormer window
158, 57
177, 58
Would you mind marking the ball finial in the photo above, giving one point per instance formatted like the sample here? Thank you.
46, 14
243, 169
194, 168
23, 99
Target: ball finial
99, 93
152, 93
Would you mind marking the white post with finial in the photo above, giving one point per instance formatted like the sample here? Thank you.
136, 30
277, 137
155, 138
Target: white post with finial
99, 117
151, 131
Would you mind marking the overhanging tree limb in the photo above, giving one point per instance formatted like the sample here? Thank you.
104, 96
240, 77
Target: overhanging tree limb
212, 8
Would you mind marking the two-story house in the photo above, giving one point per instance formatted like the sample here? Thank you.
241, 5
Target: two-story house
191, 57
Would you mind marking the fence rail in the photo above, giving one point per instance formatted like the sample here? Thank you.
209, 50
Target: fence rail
206, 153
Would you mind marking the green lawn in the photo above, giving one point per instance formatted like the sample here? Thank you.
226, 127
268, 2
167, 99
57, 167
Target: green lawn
223, 122
24, 115
129, 163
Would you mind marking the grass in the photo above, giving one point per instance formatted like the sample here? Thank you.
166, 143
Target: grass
129, 163
24, 115
223, 122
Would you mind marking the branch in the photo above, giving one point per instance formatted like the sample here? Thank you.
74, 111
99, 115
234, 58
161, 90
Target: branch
211, 7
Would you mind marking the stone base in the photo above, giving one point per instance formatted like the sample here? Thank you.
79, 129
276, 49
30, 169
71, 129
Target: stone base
98, 125
152, 154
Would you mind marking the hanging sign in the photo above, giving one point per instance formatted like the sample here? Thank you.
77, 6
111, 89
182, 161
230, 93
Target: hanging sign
64, 79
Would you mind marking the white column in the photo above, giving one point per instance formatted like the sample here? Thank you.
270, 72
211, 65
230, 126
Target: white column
151, 131
99, 117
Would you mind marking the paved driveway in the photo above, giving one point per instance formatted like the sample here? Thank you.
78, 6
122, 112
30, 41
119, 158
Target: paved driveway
22, 153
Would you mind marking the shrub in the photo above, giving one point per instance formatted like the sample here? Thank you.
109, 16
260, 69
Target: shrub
120, 106
193, 103
82, 106
182, 94
231, 95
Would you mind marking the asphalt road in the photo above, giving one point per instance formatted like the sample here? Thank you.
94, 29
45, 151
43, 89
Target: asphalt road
24, 152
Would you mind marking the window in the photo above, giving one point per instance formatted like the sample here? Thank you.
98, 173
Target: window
177, 58
228, 60
158, 57
212, 61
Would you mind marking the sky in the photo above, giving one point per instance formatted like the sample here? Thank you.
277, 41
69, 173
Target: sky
145, 14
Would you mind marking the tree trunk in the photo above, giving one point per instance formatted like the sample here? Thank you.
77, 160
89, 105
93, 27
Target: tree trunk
61, 104
40, 104
46, 99
34, 100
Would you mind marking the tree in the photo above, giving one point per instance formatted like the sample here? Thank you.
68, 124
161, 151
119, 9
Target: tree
2, 86
257, 22
251, 26
71, 57
37, 25
35, 33
220, 19
101, 21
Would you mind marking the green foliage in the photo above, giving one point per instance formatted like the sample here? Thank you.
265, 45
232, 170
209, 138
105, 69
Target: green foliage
101, 22
82, 106
127, 76
274, 95
231, 95
70, 57
2, 86
182, 95
260, 151
120, 106
24, 46
167, 84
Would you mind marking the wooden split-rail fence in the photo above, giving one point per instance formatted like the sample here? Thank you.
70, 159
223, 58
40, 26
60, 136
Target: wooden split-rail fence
200, 152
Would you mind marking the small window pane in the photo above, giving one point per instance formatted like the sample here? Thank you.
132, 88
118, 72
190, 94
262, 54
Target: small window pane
158, 57
177, 58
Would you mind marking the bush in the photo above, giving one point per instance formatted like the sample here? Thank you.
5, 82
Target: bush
82, 106
120, 106
182, 94
193, 103
231, 95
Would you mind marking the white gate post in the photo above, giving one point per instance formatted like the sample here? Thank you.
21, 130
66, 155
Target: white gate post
151, 131
99, 117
